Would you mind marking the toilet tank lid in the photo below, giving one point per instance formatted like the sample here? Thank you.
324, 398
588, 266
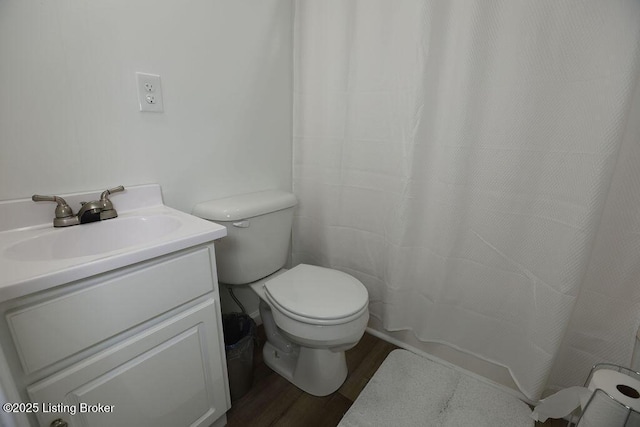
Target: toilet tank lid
245, 205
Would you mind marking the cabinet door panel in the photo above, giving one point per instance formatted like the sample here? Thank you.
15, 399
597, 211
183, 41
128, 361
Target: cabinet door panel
170, 375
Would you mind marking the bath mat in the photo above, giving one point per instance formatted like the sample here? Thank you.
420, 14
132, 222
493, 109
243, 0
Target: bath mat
409, 390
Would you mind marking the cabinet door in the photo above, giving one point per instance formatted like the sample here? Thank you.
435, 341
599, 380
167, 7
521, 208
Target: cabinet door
169, 375
57, 328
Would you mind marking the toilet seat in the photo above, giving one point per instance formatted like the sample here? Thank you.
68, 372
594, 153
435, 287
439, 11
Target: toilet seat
317, 295
314, 321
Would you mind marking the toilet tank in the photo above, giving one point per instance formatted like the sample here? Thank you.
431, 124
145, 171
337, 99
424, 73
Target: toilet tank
258, 234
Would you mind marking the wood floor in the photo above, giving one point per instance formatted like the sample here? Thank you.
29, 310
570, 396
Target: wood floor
273, 401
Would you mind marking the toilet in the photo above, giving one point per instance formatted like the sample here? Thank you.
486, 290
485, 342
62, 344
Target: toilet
311, 314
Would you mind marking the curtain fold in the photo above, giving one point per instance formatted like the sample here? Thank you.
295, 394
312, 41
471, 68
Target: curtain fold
471, 163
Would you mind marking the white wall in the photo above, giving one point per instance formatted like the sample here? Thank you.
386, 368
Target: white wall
69, 118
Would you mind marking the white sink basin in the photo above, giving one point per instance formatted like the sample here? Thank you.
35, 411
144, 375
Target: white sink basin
93, 239
35, 256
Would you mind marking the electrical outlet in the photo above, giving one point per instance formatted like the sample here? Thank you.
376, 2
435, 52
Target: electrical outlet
149, 92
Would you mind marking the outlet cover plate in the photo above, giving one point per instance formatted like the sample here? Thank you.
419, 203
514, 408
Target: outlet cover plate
149, 93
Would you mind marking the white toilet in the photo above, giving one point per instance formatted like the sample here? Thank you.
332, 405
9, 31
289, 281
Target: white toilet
311, 315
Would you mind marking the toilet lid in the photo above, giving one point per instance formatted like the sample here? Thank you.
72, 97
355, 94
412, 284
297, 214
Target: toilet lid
317, 292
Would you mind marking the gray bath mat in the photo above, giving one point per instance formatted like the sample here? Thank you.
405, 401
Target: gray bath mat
409, 390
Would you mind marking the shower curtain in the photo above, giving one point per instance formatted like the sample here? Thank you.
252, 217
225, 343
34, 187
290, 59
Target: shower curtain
476, 164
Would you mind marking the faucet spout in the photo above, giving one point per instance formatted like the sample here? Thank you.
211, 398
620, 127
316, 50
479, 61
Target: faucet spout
90, 211
89, 215
99, 210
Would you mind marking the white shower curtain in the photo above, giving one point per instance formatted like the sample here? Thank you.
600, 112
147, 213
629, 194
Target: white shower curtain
476, 164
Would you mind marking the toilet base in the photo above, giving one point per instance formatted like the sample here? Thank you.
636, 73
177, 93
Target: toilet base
314, 370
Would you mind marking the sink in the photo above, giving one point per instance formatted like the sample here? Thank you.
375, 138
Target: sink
35, 256
93, 239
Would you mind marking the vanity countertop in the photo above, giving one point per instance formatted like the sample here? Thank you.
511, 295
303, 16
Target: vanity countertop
35, 256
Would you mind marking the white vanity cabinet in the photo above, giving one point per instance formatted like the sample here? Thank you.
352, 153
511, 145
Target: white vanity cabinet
138, 346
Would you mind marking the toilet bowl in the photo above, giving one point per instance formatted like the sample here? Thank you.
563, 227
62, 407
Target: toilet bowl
309, 329
311, 314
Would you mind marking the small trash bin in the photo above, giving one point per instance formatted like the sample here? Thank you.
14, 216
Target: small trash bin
239, 338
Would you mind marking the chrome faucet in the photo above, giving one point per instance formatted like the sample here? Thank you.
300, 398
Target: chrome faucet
96, 210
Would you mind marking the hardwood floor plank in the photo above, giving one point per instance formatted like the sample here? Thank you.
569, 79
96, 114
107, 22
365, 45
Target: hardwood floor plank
359, 377
264, 403
315, 411
336, 408
357, 354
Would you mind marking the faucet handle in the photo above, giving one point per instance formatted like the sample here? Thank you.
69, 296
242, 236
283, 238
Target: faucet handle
63, 210
64, 213
108, 211
105, 193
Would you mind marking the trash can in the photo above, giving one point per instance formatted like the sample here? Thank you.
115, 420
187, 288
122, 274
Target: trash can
239, 340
